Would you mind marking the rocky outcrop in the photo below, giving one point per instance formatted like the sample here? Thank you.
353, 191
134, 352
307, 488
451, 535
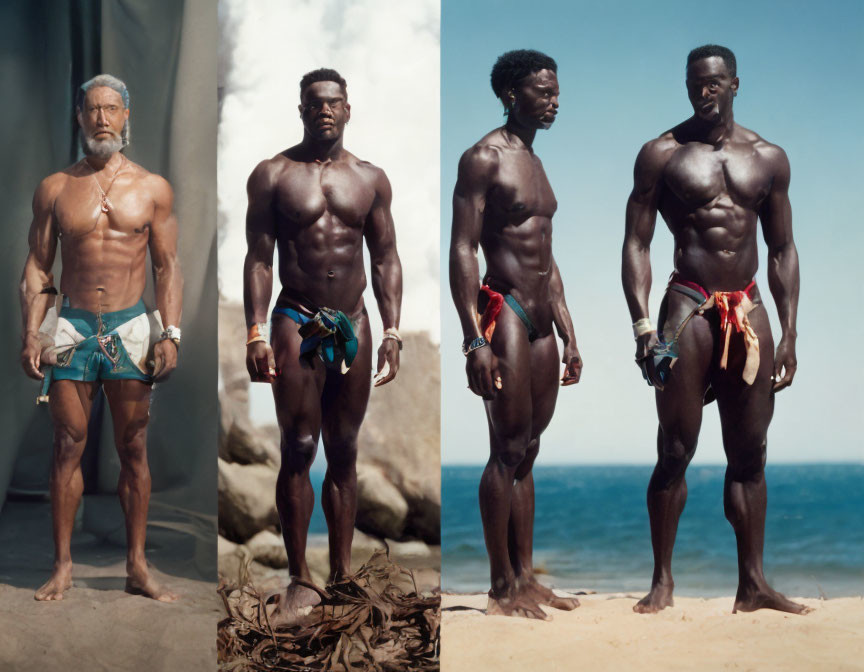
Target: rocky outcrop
247, 500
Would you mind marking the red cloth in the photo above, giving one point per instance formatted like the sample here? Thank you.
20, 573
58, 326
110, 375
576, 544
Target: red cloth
490, 315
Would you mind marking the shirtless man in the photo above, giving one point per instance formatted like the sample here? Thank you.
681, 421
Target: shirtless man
503, 202
106, 212
317, 202
711, 180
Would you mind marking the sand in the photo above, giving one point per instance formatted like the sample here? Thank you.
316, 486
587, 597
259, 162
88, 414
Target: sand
696, 634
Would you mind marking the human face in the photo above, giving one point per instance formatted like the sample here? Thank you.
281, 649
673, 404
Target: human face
102, 118
533, 102
324, 110
711, 89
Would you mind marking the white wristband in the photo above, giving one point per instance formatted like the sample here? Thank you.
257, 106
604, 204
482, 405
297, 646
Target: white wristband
641, 327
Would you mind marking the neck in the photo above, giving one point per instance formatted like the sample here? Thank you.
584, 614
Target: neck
526, 135
322, 150
97, 163
716, 134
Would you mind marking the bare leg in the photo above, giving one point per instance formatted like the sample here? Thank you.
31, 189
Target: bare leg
544, 393
70, 404
509, 416
745, 413
297, 393
129, 401
343, 406
679, 409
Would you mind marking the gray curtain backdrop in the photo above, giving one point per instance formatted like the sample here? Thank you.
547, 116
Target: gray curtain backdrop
165, 52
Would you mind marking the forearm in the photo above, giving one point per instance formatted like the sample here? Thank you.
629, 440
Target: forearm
169, 292
784, 283
636, 278
387, 287
257, 290
34, 300
464, 287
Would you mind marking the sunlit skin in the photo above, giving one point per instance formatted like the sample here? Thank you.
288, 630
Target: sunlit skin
503, 203
104, 270
713, 181
316, 202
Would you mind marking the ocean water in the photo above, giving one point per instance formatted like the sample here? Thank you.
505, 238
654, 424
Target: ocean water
591, 531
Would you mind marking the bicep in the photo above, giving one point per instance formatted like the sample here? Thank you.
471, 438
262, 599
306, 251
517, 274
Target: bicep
43, 234
469, 197
163, 227
260, 215
644, 199
380, 231
776, 210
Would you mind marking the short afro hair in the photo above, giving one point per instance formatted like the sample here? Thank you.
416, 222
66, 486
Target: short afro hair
323, 75
708, 50
516, 65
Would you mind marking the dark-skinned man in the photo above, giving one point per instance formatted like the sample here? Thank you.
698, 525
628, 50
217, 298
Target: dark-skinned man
712, 181
503, 202
105, 212
317, 202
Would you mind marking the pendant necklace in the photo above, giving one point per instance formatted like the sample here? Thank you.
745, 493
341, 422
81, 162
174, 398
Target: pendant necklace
105, 204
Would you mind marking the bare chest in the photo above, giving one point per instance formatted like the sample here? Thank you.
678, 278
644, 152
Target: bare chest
700, 175
126, 212
305, 193
522, 190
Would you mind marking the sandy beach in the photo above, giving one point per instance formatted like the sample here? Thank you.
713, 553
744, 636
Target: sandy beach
695, 634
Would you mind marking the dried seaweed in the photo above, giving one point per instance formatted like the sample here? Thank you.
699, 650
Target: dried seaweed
365, 622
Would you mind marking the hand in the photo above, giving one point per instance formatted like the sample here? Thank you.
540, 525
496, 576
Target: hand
260, 362
388, 362
785, 364
572, 366
644, 345
484, 379
164, 358
31, 352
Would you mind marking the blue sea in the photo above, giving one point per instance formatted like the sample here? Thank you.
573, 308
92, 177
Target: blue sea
591, 531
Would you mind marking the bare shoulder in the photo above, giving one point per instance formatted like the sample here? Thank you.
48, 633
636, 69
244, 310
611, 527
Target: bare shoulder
373, 175
49, 188
656, 152
265, 174
483, 158
771, 154
158, 187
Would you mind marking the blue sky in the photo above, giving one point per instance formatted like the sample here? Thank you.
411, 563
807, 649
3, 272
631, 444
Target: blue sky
621, 72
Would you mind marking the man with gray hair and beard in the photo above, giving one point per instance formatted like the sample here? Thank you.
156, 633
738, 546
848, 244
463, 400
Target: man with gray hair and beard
106, 212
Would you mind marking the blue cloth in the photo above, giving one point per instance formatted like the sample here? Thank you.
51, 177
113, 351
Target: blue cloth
522, 315
328, 334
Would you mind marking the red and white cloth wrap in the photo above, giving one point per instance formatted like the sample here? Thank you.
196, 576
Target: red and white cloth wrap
733, 307
490, 315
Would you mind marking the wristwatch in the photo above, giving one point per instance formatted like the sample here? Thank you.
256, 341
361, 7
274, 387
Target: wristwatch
470, 346
172, 334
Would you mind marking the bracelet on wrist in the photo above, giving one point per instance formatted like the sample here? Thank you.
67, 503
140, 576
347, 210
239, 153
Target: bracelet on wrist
641, 327
469, 346
258, 332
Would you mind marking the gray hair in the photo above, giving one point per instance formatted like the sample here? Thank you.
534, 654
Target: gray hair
111, 82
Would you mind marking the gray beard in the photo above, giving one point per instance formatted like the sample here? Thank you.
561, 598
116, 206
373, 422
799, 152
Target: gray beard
102, 149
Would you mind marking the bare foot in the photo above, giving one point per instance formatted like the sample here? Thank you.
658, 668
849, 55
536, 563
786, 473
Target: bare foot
140, 582
296, 602
516, 604
60, 581
659, 598
546, 596
766, 598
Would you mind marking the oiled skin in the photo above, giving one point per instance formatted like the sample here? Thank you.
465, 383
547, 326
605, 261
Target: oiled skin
104, 270
503, 202
713, 181
317, 203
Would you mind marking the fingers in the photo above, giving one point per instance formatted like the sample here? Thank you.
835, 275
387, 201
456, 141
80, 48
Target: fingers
785, 380
261, 364
496, 376
572, 372
388, 365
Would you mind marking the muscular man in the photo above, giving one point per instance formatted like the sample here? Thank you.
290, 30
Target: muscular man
712, 179
503, 201
317, 202
106, 212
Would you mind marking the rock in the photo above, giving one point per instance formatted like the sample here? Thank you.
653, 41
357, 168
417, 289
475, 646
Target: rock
247, 500
268, 549
239, 440
381, 508
401, 436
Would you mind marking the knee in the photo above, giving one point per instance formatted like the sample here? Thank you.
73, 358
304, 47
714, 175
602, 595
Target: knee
132, 442
749, 462
675, 453
513, 451
341, 455
298, 451
527, 462
69, 441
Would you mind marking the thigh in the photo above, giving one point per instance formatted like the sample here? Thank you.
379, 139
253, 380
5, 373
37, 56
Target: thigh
345, 396
679, 404
297, 389
746, 410
129, 401
70, 402
509, 413
545, 378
